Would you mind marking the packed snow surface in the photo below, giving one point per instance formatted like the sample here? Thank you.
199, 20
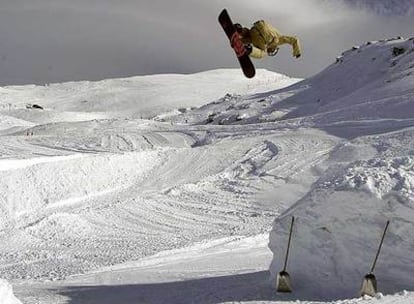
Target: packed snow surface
164, 188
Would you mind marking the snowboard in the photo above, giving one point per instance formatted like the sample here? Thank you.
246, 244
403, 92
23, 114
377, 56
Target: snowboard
246, 63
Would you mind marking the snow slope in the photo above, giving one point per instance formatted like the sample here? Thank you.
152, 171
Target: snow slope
101, 206
135, 97
369, 88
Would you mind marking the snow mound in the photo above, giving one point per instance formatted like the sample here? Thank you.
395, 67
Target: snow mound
340, 221
6, 294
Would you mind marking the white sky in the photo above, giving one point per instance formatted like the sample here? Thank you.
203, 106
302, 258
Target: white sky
45, 41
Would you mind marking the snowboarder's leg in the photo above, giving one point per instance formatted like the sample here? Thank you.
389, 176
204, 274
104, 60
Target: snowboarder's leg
259, 44
257, 53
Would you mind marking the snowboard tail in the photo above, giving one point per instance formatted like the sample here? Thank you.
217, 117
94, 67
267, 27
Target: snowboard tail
246, 63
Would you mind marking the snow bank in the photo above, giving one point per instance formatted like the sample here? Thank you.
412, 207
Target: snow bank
6, 294
335, 240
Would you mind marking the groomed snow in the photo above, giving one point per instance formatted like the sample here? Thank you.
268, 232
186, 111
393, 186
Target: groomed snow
101, 205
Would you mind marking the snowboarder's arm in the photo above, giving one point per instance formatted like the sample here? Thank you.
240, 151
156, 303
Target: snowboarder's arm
294, 42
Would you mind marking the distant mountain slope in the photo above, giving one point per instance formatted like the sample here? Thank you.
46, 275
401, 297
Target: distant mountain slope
135, 97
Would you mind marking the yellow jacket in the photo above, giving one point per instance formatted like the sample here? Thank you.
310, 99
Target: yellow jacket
266, 39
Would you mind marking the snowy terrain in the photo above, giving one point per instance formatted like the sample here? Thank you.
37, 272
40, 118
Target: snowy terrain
164, 188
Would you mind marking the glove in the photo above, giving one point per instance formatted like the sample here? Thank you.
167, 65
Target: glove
248, 48
271, 52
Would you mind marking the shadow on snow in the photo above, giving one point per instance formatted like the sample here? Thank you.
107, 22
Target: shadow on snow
242, 287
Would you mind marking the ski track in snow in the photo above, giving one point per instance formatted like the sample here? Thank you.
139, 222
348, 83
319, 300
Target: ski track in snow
160, 210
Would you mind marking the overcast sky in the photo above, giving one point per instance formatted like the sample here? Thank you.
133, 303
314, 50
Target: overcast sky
43, 41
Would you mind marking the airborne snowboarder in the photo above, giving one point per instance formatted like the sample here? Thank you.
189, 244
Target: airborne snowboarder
256, 42
262, 38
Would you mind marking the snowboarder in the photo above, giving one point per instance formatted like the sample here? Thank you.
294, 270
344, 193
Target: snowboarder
264, 39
